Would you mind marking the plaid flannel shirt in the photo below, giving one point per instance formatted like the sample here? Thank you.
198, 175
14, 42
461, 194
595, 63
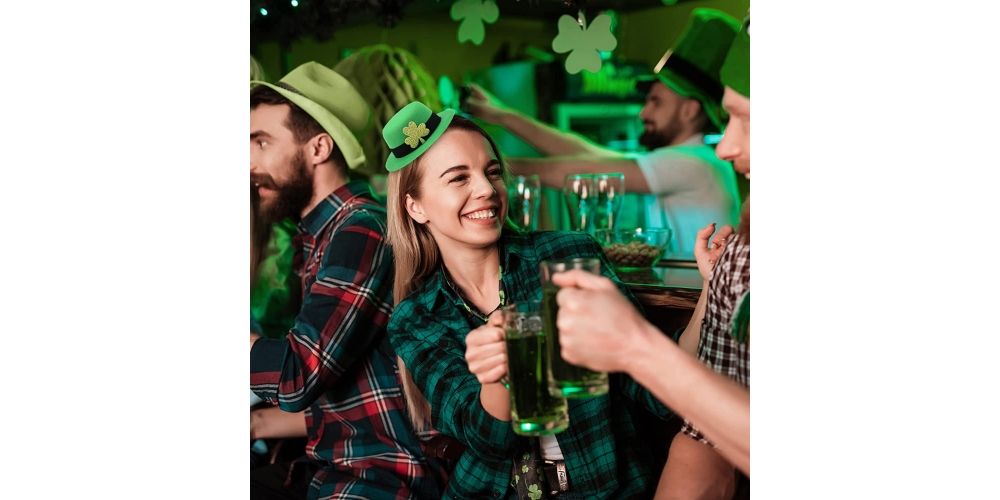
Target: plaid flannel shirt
336, 363
604, 456
717, 348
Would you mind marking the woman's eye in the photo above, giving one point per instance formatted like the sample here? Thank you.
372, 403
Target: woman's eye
494, 173
458, 178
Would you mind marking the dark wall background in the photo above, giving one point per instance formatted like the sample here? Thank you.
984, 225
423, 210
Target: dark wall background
643, 36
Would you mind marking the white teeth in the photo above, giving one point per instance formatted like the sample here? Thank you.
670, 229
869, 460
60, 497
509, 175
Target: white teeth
482, 214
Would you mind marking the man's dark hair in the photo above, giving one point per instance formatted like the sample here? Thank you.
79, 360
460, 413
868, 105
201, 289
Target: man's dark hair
303, 126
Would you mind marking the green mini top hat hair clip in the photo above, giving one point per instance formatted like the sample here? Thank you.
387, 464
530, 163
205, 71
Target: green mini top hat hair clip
411, 132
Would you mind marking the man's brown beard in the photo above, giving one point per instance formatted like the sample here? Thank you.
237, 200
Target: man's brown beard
293, 195
658, 138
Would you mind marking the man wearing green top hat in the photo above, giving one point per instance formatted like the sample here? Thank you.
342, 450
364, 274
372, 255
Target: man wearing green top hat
693, 187
335, 364
599, 329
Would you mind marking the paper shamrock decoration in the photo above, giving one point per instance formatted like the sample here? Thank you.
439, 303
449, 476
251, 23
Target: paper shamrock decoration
583, 42
473, 13
415, 134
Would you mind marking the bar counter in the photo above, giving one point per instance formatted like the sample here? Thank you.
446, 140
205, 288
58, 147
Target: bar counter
668, 293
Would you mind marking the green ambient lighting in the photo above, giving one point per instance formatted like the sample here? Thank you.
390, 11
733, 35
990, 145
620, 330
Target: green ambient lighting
263, 11
295, 3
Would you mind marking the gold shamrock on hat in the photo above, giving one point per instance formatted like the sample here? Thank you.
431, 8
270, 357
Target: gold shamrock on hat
415, 134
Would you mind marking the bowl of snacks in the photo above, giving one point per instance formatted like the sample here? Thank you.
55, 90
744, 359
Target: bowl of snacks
635, 247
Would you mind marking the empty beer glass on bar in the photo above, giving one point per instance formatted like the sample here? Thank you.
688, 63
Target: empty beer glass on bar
579, 194
610, 188
524, 193
534, 410
565, 379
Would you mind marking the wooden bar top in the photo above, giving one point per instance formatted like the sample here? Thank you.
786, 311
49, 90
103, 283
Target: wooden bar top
673, 284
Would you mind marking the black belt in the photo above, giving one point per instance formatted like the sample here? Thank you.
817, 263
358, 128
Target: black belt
555, 475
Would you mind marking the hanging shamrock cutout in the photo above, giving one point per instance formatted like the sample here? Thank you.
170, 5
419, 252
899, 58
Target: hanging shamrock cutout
415, 134
473, 13
583, 42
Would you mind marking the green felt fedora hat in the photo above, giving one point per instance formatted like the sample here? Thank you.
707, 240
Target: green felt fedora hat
735, 72
332, 101
411, 132
691, 67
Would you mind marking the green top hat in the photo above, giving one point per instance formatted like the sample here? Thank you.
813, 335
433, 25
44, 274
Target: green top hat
411, 131
691, 67
735, 72
332, 101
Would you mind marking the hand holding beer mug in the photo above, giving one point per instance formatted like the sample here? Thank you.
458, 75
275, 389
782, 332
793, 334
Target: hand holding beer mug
485, 351
599, 328
534, 411
566, 379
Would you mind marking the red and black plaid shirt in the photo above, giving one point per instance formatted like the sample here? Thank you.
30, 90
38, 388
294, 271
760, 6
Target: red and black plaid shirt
336, 364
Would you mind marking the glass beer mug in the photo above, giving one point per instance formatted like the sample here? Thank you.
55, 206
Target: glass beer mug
565, 379
534, 410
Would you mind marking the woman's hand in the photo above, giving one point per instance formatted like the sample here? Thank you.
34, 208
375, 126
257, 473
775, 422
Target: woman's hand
486, 351
707, 255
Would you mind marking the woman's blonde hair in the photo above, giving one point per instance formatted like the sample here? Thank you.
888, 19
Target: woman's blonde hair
416, 254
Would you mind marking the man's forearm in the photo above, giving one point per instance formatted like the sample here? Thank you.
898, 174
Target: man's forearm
549, 140
717, 406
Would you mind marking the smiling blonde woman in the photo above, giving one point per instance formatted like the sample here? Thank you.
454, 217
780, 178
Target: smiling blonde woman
458, 262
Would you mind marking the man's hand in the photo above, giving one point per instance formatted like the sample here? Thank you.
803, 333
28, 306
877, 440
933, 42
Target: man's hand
598, 327
484, 105
707, 255
486, 351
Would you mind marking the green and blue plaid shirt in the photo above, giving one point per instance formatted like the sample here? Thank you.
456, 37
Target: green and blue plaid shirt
604, 456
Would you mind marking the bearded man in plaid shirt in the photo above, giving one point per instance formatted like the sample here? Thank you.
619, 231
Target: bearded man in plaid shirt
335, 365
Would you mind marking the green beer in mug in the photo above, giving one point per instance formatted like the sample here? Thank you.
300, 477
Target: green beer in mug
534, 410
565, 379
